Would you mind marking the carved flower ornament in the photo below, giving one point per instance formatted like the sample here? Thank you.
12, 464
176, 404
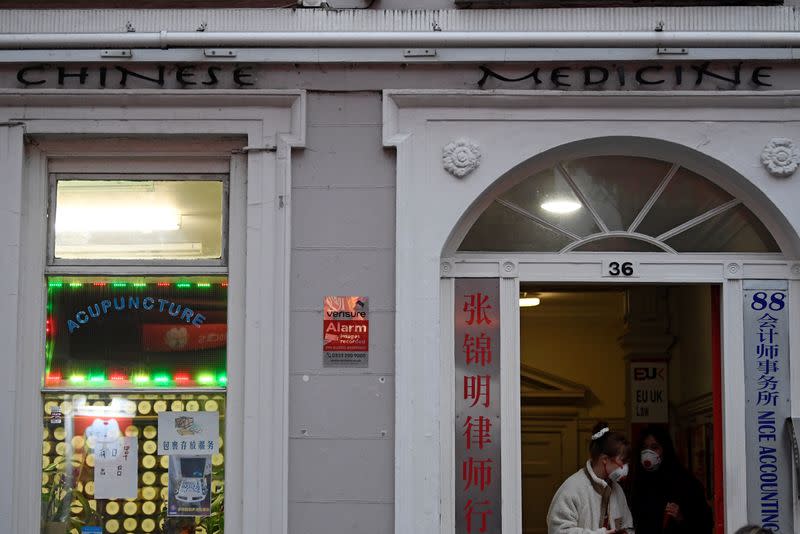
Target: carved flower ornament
780, 156
461, 157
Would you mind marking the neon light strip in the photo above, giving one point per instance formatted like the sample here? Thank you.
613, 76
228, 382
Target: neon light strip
117, 378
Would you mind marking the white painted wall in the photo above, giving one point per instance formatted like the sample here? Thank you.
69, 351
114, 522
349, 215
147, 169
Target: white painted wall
341, 421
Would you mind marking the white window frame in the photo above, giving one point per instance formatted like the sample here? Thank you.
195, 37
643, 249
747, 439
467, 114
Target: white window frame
509, 127
41, 131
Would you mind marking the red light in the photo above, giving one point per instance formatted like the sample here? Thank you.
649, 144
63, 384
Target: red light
181, 377
99, 284
163, 284
224, 284
117, 377
49, 327
53, 377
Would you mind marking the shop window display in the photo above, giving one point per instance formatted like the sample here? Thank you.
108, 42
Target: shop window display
135, 365
83, 483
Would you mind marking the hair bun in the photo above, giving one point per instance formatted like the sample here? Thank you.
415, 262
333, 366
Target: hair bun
600, 426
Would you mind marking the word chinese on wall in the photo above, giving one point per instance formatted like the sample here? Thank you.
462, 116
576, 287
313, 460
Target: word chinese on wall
767, 404
477, 405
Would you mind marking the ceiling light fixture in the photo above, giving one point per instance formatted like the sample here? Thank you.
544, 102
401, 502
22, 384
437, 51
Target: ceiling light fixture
526, 302
141, 219
561, 206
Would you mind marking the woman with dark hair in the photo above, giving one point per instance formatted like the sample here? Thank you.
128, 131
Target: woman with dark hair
665, 497
591, 501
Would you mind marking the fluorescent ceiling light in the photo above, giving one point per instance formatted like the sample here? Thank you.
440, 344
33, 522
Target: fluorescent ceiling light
561, 206
142, 250
527, 302
141, 219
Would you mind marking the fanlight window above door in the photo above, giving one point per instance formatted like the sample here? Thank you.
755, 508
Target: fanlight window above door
621, 204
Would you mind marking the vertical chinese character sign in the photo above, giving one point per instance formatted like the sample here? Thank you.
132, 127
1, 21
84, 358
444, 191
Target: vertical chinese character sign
477, 405
766, 370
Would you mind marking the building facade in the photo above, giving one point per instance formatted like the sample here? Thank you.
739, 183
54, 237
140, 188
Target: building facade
200, 205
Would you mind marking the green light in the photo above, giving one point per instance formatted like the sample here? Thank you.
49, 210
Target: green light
97, 378
55, 284
77, 379
119, 284
161, 379
139, 284
75, 284
141, 379
204, 285
183, 284
222, 379
205, 379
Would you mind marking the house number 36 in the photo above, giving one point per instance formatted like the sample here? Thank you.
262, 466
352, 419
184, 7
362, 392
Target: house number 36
620, 269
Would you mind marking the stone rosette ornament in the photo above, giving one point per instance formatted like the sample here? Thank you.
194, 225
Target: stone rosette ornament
781, 156
461, 157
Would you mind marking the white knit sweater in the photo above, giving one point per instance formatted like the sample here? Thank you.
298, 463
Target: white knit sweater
575, 508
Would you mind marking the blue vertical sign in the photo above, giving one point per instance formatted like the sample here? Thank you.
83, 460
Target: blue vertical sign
767, 387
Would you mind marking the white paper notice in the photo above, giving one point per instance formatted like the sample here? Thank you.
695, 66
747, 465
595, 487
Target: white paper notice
116, 475
188, 433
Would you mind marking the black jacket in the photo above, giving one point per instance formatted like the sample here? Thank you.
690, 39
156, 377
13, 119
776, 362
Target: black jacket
652, 490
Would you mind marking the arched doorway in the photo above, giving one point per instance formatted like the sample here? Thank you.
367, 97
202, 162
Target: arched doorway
638, 207
616, 204
518, 134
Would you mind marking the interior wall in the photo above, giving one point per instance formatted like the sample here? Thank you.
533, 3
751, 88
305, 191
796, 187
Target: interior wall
690, 364
575, 338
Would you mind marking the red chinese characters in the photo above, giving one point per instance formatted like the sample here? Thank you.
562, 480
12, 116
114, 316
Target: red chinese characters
477, 336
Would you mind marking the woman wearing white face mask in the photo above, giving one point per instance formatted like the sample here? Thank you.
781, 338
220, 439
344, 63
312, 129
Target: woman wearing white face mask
591, 501
665, 497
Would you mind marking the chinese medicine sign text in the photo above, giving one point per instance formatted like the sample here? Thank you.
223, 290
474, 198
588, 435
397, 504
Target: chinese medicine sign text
477, 405
188, 433
766, 371
649, 392
345, 331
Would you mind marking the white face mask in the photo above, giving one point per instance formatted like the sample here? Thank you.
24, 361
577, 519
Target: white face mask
651, 460
619, 473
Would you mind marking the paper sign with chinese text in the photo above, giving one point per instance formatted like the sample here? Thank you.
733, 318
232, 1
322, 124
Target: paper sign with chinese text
116, 469
477, 406
345, 331
767, 404
188, 433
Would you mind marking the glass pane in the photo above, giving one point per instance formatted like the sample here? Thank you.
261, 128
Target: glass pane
138, 219
499, 229
735, 230
617, 186
121, 332
101, 467
687, 196
548, 196
618, 244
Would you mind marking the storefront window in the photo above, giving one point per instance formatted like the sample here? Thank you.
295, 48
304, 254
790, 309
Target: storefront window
136, 332
135, 381
101, 464
138, 219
